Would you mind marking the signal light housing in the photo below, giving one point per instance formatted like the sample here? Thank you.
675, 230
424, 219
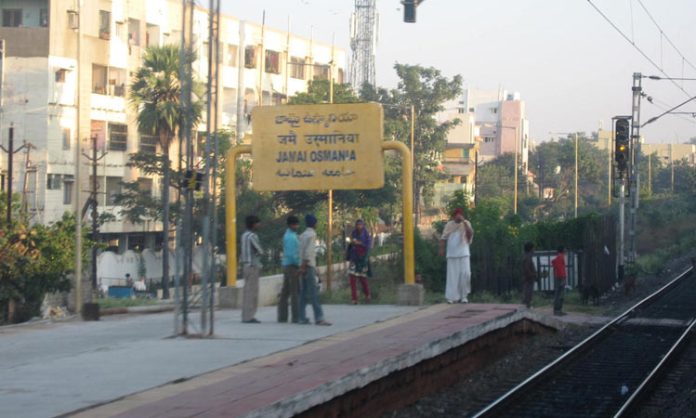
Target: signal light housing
622, 129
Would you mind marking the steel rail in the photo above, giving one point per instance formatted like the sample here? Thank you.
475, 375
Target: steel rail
583, 346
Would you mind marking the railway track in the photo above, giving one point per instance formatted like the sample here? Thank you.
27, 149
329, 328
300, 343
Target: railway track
611, 372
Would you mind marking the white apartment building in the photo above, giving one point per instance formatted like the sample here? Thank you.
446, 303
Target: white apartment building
40, 92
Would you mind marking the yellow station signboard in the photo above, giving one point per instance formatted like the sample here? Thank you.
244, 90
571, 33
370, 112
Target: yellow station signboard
317, 147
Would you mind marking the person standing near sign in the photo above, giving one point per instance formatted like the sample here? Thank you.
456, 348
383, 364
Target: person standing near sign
251, 262
559, 276
458, 235
308, 272
359, 260
291, 267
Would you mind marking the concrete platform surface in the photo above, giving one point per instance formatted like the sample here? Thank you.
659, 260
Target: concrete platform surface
49, 369
293, 381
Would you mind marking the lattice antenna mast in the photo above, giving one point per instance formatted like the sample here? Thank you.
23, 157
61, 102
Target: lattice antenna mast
363, 43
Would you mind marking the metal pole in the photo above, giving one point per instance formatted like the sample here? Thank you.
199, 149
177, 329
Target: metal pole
650, 175
609, 182
329, 225
515, 174
671, 161
216, 152
10, 155
240, 83
205, 276
576, 174
633, 174
413, 148
78, 183
95, 220
622, 211
262, 57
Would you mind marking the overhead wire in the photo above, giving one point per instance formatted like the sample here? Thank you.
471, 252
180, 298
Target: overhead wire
663, 106
664, 34
637, 48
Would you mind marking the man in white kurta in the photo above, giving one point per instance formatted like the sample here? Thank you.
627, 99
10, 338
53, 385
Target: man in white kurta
457, 237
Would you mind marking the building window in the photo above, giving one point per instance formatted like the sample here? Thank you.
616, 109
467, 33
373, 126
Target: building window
68, 183
104, 24
113, 189
250, 57
66, 138
98, 79
494, 110
60, 75
118, 137
133, 32
297, 68
145, 184
43, 18
117, 81
152, 35
148, 143
229, 101
231, 55
11, 18
321, 71
272, 63
53, 181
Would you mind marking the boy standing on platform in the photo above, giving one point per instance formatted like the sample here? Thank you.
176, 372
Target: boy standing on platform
291, 269
251, 262
529, 274
560, 275
308, 272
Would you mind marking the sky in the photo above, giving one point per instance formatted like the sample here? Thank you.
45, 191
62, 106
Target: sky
572, 69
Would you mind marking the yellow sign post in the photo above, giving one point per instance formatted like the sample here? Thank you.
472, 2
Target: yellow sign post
318, 147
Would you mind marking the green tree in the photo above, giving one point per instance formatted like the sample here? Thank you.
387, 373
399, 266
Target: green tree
426, 89
34, 260
156, 95
318, 91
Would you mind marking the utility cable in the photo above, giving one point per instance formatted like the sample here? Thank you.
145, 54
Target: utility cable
662, 33
623, 35
653, 119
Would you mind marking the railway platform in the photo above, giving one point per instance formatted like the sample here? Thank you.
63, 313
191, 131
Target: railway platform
359, 372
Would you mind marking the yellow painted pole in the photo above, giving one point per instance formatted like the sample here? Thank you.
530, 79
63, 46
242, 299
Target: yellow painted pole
231, 211
407, 180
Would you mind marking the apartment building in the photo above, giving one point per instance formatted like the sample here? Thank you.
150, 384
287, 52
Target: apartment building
58, 101
492, 122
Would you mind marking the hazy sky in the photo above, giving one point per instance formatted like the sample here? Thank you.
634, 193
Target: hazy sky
573, 70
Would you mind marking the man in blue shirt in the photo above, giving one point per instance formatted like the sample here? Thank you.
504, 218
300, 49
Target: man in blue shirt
291, 277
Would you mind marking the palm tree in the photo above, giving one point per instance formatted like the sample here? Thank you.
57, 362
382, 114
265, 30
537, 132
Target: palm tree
155, 93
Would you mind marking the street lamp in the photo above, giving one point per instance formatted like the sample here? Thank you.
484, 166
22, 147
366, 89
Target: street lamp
575, 134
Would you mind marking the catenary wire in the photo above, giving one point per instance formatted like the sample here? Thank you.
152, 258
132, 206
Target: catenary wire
623, 35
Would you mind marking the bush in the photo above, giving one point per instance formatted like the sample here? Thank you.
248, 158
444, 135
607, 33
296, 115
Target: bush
34, 260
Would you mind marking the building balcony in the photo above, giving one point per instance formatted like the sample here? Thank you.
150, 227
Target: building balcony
25, 42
